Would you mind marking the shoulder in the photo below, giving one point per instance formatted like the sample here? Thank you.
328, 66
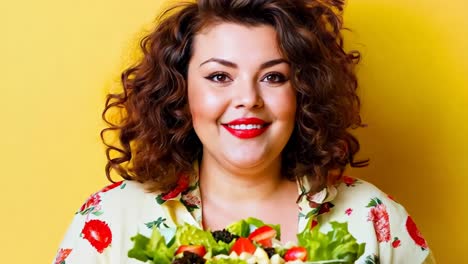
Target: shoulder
116, 199
376, 219
361, 196
359, 199
117, 195
125, 206
103, 226
355, 189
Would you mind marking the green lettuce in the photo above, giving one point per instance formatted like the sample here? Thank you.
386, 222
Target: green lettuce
154, 248
139, 248
244, 227
337, 244
240, 228
190, 235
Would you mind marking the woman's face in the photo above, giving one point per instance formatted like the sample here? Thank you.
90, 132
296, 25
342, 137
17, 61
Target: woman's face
241, 100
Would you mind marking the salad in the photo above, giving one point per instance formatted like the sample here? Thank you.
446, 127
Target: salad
247, 241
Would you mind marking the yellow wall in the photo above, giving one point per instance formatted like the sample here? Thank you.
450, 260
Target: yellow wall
58, 57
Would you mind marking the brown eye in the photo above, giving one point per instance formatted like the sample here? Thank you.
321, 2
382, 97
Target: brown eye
219, 78
274, 78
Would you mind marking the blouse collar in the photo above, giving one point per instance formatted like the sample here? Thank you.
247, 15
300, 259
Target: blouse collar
183, 203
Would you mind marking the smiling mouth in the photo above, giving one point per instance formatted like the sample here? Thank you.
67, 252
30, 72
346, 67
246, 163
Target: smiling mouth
245, 128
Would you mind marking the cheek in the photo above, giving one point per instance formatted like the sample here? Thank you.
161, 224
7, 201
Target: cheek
205, 104
290, 105
284, 105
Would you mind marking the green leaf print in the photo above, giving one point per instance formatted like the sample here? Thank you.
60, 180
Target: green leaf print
159, 199
160, 221
313, 212
372, 259
374, 202
97, 213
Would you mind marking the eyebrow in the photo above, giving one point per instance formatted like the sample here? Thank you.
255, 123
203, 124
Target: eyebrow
230, 64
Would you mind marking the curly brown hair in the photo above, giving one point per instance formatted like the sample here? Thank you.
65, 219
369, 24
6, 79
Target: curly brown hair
156, 139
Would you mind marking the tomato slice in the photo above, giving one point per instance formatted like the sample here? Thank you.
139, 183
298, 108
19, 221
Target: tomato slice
263, 235
196, 249
243, 244
295, 253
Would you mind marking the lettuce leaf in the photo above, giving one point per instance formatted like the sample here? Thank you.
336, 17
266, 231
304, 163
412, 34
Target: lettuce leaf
240, 228
160, 251
139, 248
244, 227
154, 248
190, 235
337, 244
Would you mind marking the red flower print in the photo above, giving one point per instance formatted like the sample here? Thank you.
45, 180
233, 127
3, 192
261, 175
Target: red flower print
313, 224
112, 186
379, 216
313, 205
62, 255
391, 197
349, 181
396, 242
98, 234
191, 200
325, 208
92, 205
348, 211
414, 233
182, 185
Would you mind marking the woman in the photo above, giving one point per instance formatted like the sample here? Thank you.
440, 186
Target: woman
243, 107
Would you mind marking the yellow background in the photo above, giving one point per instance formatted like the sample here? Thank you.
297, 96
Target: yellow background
59, 57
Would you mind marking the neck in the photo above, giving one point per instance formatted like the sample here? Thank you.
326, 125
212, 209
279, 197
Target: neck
232, 184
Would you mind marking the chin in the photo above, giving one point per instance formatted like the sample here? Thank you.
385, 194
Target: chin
245, 164
245, 161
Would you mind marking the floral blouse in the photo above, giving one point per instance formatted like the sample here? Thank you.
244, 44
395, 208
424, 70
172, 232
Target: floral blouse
102, 227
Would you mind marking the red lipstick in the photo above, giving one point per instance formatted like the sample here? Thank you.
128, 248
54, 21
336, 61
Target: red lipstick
246, 128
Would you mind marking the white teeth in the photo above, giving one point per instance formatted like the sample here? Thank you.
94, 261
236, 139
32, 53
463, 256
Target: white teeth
245, 127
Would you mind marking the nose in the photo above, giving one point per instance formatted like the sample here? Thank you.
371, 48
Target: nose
247, 94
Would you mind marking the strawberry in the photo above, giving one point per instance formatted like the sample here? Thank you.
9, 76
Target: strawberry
196, 249
263, 235
295, 253
243, 244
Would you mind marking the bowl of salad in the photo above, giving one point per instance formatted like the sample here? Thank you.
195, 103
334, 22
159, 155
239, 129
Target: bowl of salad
248, 241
